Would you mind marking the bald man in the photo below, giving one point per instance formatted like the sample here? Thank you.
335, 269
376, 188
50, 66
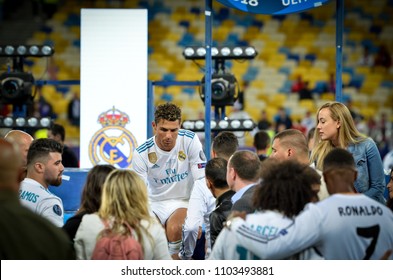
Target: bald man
24, 235
23, 140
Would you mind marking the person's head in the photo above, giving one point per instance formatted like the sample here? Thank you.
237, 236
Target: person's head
335, 124
310, 138
243, 168
263, 115
339, 171
261, 140
57, 132
124, 199
92, 190
290, 144
285, 187
44, 162
166, 125
216, 172
335, 128
23, 140
224, 145
10, 165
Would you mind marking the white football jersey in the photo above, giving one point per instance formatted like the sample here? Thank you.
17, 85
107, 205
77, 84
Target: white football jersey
170, 175
201, 204
227, 247
342, 227
41, 201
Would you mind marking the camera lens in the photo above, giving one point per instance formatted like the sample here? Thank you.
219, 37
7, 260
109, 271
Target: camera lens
10, 87
218, 90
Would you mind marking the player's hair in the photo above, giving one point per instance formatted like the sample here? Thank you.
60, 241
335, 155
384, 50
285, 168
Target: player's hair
246, 164
92, 190
58, 129
261, 140
216, 172
293, 138
338, 158
347, 134
310, 134
40, 148
285, 187
225, 144
168, 111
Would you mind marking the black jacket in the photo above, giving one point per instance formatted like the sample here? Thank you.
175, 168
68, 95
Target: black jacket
220, 214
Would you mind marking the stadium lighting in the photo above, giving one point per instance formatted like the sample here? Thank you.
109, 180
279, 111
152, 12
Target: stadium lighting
26, 50
199, 52
223, 125
25, 122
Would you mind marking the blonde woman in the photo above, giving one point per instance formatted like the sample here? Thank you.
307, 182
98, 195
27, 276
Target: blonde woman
124, 199
336, 129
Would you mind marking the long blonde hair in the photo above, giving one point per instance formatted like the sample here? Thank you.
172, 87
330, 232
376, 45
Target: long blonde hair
347, 133
125, 200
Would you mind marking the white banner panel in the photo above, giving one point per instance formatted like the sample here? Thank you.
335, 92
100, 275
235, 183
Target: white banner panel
114, 62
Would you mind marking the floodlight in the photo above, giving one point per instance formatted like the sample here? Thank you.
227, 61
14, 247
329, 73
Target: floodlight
220, 52
222, 125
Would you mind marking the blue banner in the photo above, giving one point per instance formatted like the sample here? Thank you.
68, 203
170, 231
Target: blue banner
273, 7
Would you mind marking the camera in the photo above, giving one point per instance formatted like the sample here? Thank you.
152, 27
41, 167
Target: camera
16, 88
224, 90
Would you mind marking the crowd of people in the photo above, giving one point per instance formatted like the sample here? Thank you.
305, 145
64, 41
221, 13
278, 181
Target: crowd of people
320, 195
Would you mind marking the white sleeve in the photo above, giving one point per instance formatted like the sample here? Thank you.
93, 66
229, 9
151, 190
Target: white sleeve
52, 209
139, 166
197, 158
196, 210
160, 250
79, 244
86, 236
302, 234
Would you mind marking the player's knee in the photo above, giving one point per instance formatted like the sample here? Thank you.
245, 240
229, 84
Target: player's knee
173, 231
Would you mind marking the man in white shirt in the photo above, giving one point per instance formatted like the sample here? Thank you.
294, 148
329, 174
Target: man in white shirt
44, 169
170, 162
202, 201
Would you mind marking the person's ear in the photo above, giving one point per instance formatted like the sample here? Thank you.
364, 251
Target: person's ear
39, 167
355, 175
208, 184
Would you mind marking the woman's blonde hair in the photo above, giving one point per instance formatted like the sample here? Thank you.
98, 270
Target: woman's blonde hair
347, 132
125, 200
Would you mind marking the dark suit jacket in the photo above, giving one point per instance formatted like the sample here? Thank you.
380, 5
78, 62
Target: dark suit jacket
245, 202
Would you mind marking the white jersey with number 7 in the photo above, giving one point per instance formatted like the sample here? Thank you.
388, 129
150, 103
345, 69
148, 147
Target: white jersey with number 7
341, 227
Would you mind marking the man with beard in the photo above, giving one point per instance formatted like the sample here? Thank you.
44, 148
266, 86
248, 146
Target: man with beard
44, 169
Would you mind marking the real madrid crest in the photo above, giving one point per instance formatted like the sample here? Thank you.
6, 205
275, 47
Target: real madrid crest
152, 157
181, 156
112, 144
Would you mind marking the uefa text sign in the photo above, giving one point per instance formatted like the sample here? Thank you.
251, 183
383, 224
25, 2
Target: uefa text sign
273, 7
